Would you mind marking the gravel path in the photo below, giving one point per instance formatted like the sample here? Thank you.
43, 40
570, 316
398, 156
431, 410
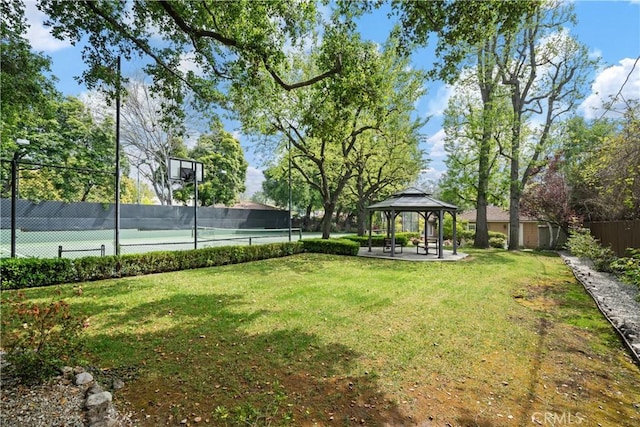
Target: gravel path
618, 301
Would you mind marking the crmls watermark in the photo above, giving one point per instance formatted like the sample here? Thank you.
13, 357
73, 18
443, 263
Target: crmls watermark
557, 418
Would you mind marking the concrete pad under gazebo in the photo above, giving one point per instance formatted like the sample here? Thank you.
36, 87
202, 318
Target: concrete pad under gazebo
414, 200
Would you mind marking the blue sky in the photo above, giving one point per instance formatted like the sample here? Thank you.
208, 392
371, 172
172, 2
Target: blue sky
610, 29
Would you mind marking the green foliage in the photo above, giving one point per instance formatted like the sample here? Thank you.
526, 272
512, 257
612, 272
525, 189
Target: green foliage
19, 273
39, 338
583, 245
233, 39
604, 168
628, 267
497, 242
225, 169
447, 228
331, 246
378, 240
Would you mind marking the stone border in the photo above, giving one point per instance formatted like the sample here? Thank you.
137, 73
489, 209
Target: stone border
616, 300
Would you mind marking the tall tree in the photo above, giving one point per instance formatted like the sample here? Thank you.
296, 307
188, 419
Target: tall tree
548, 199
474, 125
149, 140
304, 198
324, 123
225, 169
545, 71
384, 163
605, 179
69, 156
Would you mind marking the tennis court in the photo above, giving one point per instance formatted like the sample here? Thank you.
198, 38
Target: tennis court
79, 243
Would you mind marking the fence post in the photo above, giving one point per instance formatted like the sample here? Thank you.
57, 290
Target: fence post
60, 251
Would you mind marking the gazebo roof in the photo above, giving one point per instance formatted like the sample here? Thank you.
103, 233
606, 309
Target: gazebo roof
412, 199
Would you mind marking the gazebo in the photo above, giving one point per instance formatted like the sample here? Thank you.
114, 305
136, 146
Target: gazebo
414, 200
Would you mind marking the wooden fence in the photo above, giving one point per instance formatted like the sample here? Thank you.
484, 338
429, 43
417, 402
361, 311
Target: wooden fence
619, 235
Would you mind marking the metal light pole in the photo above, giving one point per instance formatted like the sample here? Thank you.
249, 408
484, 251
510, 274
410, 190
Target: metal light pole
290, 197
195, 210
117, 196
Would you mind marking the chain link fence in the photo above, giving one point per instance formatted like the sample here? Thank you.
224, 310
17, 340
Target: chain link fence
69, 212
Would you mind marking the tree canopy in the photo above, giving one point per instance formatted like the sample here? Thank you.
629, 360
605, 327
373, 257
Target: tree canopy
190, 45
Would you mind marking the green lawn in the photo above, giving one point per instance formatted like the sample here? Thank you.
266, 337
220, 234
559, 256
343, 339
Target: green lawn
324, 340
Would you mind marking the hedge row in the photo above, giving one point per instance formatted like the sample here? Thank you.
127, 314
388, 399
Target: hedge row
331, 246
18, 273
378, 240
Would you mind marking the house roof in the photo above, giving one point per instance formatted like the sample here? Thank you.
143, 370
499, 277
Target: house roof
494, 214
412, 199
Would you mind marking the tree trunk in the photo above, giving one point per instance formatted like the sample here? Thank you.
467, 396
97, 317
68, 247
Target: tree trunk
325, 224
514, 195
481, 239
362, 218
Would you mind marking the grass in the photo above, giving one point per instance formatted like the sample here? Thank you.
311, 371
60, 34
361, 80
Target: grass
325, 340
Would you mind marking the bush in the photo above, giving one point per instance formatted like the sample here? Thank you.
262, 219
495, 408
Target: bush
583, 245
39, 338
378, 240
497, 242
19, 273
497, 235
29, 272
331, 246
628, 267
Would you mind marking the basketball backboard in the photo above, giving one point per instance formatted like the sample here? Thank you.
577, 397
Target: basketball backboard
185, 170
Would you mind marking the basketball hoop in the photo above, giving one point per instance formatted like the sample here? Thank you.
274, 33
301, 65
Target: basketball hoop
184, 170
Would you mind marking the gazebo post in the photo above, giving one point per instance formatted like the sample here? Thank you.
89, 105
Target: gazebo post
370, 227
440, 234
455, 234
393, 232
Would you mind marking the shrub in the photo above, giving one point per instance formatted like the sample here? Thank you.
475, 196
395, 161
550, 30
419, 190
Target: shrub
378, 240
19, 273
628, 267
30, 272
497, 242
583, 245
331, 246
39, 338
497, 235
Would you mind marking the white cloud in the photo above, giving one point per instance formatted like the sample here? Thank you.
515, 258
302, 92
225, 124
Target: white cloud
437, 105
431, 174
606, 86
436, 145
38, 35
253, 181
188, 63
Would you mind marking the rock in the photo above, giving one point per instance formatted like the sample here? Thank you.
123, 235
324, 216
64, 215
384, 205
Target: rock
107, 422
117, 384
97, 399
83, 378
100, 412
94, 389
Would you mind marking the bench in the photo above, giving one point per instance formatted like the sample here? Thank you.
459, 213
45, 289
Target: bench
387, 246
430, 243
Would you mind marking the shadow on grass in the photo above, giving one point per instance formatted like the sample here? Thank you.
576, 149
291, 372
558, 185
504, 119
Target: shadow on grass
193, 359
